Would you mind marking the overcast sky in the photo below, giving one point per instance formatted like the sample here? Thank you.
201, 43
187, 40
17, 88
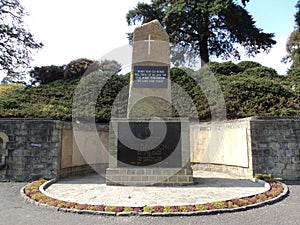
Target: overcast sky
72, 29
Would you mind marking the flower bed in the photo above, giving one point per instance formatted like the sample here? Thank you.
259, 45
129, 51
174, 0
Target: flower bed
33, 192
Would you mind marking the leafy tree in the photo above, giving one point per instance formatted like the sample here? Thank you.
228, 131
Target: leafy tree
293, 43
293, 49
297, 16
47, 74
207, 27
73, 70
76, 68
16, 42
106, 66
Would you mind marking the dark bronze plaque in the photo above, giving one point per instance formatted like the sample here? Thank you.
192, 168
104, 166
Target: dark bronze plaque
150, 77
167, 154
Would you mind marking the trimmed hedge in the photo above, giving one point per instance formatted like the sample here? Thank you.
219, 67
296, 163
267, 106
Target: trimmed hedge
254, 91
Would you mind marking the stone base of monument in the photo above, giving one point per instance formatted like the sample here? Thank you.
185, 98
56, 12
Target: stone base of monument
149, 176
133, 162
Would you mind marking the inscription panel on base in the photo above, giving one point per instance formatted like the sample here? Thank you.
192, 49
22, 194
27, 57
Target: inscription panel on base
167, 154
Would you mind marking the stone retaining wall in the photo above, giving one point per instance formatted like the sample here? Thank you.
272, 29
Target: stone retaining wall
30, 149
276, 146
35, 148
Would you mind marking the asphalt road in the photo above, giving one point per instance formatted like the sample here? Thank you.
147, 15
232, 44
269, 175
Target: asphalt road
13, 210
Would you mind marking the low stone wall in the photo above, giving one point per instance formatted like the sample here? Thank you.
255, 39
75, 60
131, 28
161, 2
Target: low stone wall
275, 144
32, 149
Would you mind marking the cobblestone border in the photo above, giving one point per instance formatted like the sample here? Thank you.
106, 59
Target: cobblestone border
42, 188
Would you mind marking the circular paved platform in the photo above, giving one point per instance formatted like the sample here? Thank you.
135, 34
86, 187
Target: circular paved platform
210, 187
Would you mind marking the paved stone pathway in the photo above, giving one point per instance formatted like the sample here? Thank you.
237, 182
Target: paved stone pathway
210, 187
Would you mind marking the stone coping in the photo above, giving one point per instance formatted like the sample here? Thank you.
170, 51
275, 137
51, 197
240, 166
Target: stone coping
268, 118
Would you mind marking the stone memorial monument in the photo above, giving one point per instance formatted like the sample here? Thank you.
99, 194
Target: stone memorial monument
149, 147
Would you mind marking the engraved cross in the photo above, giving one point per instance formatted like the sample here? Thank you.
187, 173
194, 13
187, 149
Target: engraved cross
149, 43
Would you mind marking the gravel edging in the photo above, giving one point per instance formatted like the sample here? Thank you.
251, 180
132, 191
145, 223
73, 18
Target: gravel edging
44, 186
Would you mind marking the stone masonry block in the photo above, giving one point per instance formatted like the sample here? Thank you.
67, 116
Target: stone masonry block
263, 145
173, 179
284, 159
131, 172
289, 153
296, 159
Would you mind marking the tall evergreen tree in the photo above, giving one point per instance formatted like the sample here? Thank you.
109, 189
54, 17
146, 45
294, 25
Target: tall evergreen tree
293, 43
206, 27
16, 42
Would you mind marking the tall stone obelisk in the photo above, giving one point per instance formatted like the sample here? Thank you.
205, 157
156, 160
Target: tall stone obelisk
150, 86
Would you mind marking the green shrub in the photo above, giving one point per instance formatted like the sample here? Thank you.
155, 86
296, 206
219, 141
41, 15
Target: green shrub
261, 71
245, 95
224, 68
148, 209
183, 208
7, 93
294, 73
201, 207
113, 209
266, 177
8, 89
228, 68
218, 205
127, 209
230, 205
91, 207
251, 97
248, 65
168, 209
8, 104
213, 66
183, 78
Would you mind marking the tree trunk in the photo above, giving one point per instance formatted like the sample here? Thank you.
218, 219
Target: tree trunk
203, 38
203, 44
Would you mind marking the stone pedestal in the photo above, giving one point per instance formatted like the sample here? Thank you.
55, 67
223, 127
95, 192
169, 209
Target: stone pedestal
149, 176
166, 164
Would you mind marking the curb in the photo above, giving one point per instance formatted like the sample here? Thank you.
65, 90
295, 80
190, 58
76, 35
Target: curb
44, 186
